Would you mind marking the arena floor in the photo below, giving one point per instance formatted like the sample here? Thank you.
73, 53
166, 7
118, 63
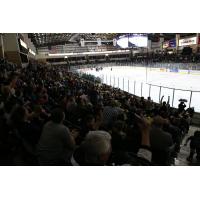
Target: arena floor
126, 77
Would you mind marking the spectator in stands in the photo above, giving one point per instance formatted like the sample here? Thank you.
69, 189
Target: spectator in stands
56, 143
110, 113
12, 83
26, 130
71, 108
143, 155
181, 107
176, 135
142, 103
161, 142
93, 94
164, 109
94, 150
29, 96
88, 124
194, 146
118, 136
149, 105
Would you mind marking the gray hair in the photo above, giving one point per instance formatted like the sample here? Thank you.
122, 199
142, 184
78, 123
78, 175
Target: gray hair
99, 133
96, 144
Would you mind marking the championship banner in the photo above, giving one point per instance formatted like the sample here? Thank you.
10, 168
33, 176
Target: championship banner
82, 41
114, 42
187, 41
98, 41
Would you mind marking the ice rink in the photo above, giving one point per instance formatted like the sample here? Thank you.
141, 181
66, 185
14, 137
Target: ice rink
137, 80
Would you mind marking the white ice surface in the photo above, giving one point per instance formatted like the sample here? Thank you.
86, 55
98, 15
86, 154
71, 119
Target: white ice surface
145, 76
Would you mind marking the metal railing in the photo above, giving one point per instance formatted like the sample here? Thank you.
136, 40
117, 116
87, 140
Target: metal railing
154, 91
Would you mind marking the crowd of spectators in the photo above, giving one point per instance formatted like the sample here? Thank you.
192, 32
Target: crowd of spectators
50, 116
158, 60
168, 58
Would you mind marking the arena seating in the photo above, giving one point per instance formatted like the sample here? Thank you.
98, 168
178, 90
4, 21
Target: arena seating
50, 116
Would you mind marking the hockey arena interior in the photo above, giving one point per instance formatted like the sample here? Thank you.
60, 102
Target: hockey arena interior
99, 99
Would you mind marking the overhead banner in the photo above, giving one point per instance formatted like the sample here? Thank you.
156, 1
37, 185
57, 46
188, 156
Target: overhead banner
82, 42
114, 42
187, 41
98, 41
169, 44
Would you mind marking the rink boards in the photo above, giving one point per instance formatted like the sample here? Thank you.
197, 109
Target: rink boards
180, 71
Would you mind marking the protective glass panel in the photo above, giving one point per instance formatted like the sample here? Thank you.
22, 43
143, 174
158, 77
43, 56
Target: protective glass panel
131, 86
126, 84
167, 93
138, 89
155, 93
145, 90
120, 83
195, 101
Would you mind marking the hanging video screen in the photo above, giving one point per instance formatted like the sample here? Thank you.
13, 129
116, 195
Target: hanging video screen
132, 40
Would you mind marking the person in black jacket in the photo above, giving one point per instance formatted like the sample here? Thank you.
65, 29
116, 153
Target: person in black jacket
194, 146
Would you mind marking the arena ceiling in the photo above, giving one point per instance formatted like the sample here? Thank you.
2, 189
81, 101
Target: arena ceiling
50, 39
